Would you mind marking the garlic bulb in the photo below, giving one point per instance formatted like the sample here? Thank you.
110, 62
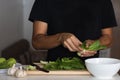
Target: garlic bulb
11, 71
20, 72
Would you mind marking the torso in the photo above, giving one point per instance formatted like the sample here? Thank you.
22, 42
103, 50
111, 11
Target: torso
80, 17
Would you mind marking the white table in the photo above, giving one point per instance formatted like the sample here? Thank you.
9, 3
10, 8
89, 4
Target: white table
53, 77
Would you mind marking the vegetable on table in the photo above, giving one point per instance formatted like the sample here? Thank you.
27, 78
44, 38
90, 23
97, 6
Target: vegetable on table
30, 67
7, 63
2, 59
11, 71
65, 64
17, 71
20, 73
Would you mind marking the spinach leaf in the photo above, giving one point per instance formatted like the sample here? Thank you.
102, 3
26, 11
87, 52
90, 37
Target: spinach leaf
94, 47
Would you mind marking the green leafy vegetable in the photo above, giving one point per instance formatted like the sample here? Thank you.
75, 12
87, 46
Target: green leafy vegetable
65, 64
2, 60
30, 67
7, 63
93, 47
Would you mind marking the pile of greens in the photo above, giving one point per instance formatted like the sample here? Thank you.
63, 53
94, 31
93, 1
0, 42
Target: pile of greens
65, 64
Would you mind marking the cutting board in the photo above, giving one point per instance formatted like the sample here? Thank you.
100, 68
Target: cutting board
59, 72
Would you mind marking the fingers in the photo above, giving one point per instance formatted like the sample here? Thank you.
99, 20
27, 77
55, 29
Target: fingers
73, 44
86, 53
89, 42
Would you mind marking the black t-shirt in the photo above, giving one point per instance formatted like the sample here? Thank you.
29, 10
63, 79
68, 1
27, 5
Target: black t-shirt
83, 18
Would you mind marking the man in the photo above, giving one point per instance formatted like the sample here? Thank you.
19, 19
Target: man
60, 26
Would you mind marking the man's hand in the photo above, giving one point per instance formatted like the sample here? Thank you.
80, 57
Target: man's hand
71, 42
86, 53
89, 42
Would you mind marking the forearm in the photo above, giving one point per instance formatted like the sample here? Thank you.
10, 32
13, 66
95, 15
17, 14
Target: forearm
41, 41
106, 40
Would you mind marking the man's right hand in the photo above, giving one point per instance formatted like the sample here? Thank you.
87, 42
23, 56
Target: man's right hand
71, 42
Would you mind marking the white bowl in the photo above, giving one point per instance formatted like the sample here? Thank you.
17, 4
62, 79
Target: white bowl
103, 67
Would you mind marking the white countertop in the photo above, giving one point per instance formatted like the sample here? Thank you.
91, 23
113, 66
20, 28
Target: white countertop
53, 77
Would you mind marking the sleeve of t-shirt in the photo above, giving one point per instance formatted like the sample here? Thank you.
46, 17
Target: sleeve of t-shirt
38, 11
108, 15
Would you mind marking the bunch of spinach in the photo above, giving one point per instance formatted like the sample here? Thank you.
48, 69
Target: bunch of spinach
65, 64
